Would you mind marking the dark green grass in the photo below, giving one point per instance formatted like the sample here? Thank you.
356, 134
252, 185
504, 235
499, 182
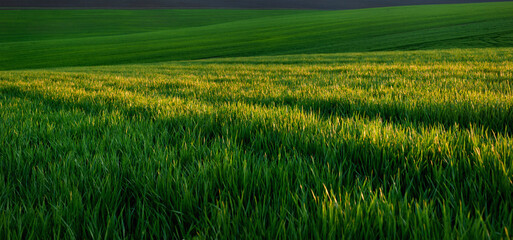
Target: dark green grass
35, 25
412, 145
287, 32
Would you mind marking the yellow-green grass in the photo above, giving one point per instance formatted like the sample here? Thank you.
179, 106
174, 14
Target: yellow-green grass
407, 145
54, 38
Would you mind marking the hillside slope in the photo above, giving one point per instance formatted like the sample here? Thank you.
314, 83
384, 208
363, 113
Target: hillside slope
411, 27
255, 4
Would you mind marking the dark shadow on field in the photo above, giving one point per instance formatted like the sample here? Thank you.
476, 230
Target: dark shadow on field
492, 118
490, 40
406, 166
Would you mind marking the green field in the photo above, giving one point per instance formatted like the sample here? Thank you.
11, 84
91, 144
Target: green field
71, 38
372, 126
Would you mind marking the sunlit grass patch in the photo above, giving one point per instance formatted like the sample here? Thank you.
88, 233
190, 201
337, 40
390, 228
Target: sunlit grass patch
388, 144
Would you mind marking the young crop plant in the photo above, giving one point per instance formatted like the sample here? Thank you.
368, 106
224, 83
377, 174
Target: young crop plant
393, 123
400, 144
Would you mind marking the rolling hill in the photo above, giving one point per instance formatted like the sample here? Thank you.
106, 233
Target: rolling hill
198, 34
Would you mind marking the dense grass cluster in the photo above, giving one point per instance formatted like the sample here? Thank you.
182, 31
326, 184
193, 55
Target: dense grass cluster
412, 144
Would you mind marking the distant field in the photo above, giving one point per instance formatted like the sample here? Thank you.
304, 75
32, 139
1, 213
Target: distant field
45, 38
345, 130
36, 25
400, 144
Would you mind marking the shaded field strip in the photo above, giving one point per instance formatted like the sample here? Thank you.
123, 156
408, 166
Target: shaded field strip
378, 150
496, 39
494, 117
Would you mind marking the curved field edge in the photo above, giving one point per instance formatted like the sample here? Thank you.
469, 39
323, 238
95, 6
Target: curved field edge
412, 27
296, 146
45, 24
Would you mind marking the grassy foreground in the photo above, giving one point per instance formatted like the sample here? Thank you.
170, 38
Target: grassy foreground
53, 38
414, 144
